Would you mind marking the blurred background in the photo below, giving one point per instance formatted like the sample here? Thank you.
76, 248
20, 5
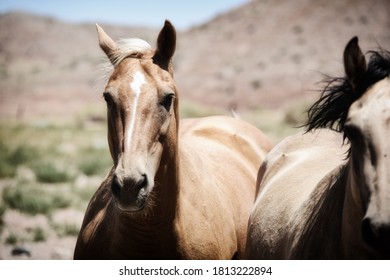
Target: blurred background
263, 59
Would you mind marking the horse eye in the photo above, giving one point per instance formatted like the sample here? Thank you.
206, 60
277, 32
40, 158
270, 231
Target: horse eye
167, 101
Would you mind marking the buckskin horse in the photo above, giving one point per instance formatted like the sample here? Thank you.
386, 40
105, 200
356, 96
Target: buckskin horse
325, 194
174, 192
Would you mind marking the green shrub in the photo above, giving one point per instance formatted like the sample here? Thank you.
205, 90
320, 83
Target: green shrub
67, 230
6, 169
95, 162
32, 200
82, 195
22, 155
12, 239
11, 158
38, 234
2, 211
51, 173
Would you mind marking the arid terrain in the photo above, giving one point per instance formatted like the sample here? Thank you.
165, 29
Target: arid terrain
264, 60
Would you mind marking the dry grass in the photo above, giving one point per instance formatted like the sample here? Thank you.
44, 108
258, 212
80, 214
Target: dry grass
48, 166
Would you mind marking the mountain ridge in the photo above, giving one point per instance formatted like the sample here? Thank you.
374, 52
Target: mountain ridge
263, 54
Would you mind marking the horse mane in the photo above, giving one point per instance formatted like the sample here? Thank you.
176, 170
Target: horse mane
331, 109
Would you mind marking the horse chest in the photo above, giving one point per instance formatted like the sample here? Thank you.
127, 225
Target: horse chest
144, 242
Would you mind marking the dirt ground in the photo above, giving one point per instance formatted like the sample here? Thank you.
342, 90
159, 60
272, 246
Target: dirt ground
54, 247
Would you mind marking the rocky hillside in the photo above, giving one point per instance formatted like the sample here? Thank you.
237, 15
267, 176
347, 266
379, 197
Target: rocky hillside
48, 67
264, 54
270, 52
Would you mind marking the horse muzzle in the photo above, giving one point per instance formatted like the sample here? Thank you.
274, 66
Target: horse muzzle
377, 237
130, 192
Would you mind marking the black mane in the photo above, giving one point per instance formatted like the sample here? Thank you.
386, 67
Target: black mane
331, 109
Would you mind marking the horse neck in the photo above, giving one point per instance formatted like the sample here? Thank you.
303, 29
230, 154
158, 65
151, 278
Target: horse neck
320, 233
167, 187
355, 179
167, 177
166, 180
352, 210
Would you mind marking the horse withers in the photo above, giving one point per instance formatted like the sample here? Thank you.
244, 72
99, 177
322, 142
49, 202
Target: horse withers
175, 191
325, 194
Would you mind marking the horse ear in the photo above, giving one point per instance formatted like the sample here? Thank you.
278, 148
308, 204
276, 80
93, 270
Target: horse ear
106, 43
354, 62
166, 45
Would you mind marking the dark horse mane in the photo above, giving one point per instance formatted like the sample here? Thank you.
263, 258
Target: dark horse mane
331, 109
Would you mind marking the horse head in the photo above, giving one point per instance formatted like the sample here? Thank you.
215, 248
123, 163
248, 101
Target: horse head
367, 126
358, 105
142, 115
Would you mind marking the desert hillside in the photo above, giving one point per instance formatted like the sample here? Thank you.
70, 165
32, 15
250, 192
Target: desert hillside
268, 53
264, 54
48, 67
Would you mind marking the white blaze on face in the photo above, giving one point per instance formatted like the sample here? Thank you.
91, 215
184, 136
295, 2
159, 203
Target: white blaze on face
135, 85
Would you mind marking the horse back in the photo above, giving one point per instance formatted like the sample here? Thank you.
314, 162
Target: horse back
219, 160
290, 181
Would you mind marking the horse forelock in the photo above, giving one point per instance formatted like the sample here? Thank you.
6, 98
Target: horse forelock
130, 47
331, 109
133, 47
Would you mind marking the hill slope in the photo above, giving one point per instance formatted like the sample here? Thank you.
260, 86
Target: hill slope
263, 54
267, 53
49, 67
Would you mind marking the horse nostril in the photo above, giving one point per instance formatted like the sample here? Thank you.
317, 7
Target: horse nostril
142, 183
130, 183
115, 186
128, 186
